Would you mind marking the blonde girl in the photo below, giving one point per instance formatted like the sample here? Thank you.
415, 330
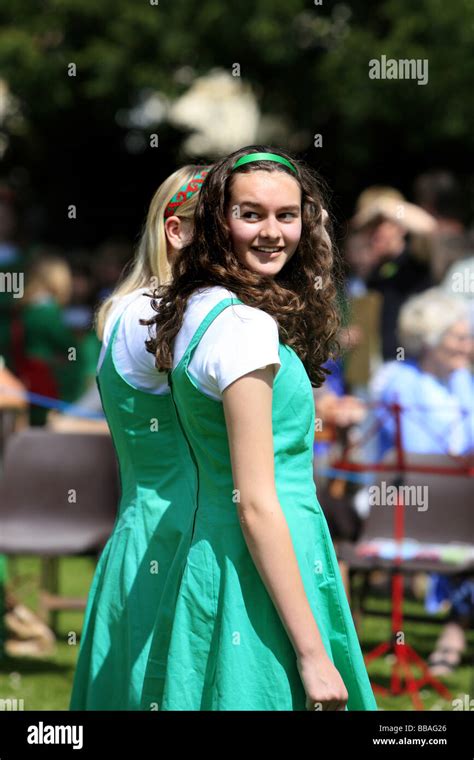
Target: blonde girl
152, 532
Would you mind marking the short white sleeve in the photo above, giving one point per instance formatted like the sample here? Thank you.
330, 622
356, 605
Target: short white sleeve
242, 339
239, 340
132, 361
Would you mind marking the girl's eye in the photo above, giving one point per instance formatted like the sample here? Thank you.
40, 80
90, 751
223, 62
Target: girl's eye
247, 214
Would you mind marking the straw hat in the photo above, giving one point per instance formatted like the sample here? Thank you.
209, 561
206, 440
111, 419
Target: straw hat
377, 204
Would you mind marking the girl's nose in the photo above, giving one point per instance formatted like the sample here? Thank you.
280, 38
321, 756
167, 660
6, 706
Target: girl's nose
270, 229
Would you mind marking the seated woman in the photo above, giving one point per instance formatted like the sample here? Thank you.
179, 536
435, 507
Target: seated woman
435, 387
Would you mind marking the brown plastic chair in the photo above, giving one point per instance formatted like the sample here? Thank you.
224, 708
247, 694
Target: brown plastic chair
449, 518
58, 497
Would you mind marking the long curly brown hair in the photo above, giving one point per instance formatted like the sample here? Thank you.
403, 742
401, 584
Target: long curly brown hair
302, 297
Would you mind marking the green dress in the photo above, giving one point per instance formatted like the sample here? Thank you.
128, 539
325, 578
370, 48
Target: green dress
148, 545
219, 643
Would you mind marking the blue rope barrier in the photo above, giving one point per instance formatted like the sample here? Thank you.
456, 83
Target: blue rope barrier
54, 403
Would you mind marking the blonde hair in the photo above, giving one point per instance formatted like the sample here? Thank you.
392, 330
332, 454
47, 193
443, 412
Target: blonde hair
150, 266
49, 274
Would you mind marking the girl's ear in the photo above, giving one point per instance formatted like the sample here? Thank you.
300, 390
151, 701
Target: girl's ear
177, 232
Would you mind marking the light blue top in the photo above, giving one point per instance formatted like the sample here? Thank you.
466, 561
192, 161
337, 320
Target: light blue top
438, 417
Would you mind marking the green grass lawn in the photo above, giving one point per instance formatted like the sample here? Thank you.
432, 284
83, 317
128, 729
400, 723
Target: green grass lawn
45, 684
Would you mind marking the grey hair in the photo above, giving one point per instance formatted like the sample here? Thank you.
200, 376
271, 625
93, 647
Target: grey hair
425, 317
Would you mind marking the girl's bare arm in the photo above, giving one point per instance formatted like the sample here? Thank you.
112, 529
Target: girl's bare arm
248, 411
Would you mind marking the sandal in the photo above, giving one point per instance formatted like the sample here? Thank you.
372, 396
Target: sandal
439, 663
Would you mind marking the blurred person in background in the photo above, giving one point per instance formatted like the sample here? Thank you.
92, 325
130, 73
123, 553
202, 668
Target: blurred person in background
435, 386
388, 221
85, 412
43, 346
434, 333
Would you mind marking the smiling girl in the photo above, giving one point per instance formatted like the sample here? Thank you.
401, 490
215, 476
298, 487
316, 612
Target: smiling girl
259, 619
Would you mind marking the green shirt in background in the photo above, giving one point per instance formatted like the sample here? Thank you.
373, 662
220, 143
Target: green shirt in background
70, 355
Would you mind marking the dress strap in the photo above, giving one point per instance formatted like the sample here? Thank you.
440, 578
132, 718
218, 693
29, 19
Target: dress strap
215, 311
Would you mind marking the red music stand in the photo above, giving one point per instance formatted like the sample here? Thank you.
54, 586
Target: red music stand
403, 680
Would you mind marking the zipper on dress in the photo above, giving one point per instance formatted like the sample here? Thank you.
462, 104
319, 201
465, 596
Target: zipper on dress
170, 382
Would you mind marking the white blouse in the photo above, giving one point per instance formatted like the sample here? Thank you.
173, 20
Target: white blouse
239, 340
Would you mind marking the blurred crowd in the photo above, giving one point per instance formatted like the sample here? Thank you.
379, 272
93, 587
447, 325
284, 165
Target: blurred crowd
408, 329
405, 378
48, 344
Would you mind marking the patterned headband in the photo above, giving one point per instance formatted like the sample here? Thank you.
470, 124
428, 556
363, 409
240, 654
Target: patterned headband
186, 191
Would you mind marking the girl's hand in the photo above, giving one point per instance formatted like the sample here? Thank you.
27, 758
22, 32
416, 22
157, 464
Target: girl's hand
322, 683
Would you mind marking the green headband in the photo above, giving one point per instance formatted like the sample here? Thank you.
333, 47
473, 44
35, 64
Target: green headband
263, 157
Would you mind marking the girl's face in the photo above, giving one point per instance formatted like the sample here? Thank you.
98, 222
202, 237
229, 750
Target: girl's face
264, 217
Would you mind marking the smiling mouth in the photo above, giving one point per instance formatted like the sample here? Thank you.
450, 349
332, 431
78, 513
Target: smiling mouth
266, 249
